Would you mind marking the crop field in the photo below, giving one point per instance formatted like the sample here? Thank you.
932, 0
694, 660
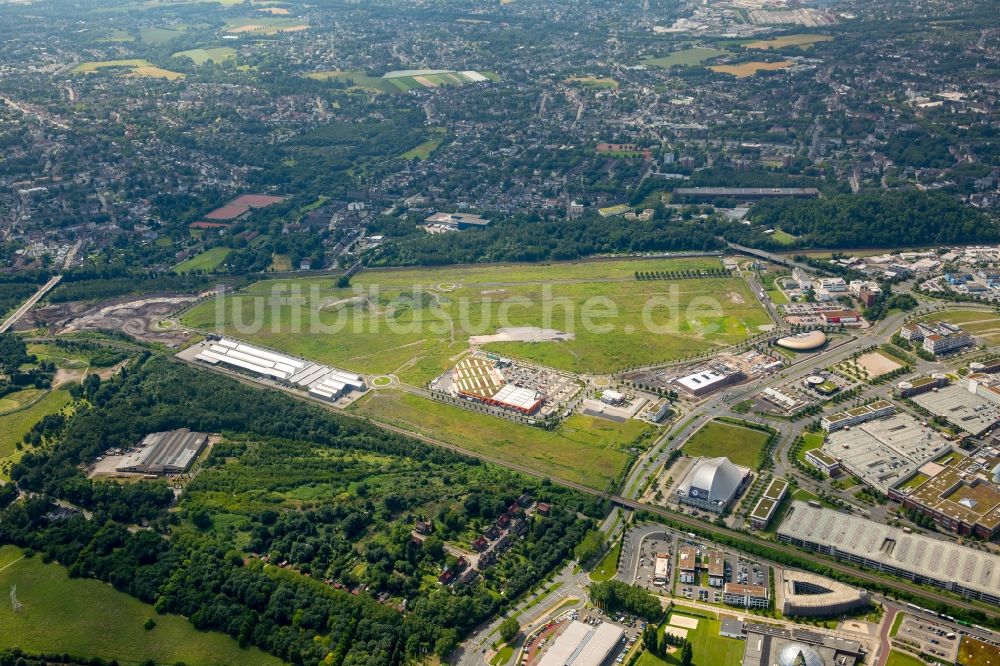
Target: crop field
135, 67
416, 323
427, 79
983, 324
360, 80
159, 35
745, 69
87, 618
585, 449
201, 56
801, 41
741, 445
264, 25
685, 57
206, 261
14, 424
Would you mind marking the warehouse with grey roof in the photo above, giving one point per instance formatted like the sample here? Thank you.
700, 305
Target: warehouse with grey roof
165, 453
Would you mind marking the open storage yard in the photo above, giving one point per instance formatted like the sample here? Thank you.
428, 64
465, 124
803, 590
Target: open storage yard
414, 323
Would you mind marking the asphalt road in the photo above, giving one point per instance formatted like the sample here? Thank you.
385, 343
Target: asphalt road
30, 303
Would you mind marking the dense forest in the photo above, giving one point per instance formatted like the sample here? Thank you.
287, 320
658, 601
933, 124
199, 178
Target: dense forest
332, 500
538, 240
876, 219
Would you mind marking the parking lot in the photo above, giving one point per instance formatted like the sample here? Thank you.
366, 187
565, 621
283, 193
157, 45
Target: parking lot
645, 574
710, 580
928, 637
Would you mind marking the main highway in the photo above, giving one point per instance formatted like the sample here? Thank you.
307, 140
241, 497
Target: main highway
30, 303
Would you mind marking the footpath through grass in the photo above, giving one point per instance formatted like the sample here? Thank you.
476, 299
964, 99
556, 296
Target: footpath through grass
87, 618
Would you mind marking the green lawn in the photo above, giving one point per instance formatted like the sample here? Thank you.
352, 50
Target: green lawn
206, 261
708, 647
201, 56
358, 79
14, 425
157, 35
584, 449
422, 151
608, 566
415, 322
741, 445
686, 57
813, 440
902, 659
19, 399
87, 618
782, 237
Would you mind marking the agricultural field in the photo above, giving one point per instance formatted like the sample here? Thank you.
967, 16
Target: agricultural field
983, 324
585, 449
116, 36
264, 25
741, 445
134, 67
422, 151
685, 57
800, 41
405, 80
745, 69
159, 35
87, 618
14, 424
604, 82
206, 261
417, 323
201, 56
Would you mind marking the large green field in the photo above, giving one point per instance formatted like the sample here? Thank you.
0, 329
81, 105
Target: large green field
13, 425
87, 618
686, 57
983, 324
415, 323
584, 449
201, 56
207, 261
902, 659
741, 445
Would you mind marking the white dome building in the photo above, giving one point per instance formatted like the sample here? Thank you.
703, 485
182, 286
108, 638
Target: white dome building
712, 484
799, 654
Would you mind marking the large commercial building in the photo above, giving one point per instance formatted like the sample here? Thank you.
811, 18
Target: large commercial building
746, 596
708, 380
712, 484
851, 417
480, 378
165, 453
970, 573
912, 387
583, 645
962, 497
321, 381
883, 453
961, 407
803, 594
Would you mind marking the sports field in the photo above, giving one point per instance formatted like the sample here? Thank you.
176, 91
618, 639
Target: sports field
14, 424
201, 56
584, 449
686, 57
801, 41
421, 151
708, 647
745, 69
207, 261
741, 445
416, 323
983, 324
87, 618
135, 67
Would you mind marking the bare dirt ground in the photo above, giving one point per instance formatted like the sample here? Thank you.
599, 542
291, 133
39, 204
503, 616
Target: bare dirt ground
141, 318
876, 364
521, 334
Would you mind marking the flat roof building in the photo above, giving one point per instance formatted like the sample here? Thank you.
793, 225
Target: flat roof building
805, 594
962, 407
768, 503
745, 596
705, 381
583, 645
883, 453
169, 452
875, 410
970, 573
772, 646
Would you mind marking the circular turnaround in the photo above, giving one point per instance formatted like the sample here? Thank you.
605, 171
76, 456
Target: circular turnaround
382, 381
803, 341
446, 286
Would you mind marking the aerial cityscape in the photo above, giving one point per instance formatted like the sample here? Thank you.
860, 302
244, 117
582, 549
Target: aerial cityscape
508, 333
